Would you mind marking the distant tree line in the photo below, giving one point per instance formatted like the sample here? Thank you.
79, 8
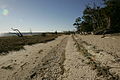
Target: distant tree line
100, 20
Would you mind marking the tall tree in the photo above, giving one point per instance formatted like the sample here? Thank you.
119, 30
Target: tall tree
113, 11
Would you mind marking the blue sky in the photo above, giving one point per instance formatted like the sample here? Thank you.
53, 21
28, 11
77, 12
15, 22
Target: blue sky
40, 15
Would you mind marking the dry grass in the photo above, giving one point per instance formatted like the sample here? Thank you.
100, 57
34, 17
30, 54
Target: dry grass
17, 43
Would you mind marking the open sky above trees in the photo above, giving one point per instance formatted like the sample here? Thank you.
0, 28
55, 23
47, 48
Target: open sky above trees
41, 15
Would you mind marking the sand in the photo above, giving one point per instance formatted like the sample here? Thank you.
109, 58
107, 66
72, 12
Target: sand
65, 59
17, 65
75, 69
110, 44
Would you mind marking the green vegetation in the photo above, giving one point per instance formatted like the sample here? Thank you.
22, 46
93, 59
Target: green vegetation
17, 43
100, 20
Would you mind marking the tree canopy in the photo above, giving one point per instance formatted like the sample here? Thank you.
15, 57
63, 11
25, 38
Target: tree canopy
100, 19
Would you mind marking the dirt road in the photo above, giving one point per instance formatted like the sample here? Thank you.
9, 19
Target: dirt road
68, 57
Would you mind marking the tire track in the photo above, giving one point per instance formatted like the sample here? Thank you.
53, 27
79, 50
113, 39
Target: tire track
75, 69
52, 64
40, 63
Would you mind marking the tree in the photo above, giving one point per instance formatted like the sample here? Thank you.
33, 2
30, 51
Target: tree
19, 34
77, 24
112, 10
100, 20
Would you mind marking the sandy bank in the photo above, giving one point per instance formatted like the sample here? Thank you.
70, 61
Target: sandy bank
110, 44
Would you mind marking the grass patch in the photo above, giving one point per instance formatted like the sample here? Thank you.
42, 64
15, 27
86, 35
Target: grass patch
17, 43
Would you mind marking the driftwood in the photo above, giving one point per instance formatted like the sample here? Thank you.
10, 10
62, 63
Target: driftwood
19, 34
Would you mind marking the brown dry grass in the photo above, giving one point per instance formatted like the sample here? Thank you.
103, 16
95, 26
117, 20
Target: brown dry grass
17, 43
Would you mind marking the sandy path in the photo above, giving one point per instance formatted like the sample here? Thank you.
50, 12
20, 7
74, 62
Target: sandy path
65, 58
52, 64
75, 69
18, 65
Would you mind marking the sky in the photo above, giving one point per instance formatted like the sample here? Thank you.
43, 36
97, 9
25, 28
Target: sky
40, 15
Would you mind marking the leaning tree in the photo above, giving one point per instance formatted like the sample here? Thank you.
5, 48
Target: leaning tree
18, 33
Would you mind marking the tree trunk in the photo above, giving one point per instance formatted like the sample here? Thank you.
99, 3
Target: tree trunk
19, 33
109, 23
